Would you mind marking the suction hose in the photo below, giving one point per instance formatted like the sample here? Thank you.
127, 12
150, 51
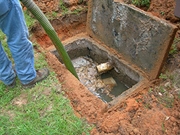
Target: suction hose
39, 15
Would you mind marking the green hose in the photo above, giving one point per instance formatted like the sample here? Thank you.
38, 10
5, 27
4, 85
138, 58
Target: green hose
34, 9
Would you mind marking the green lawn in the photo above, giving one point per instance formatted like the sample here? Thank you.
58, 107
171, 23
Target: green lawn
41, 110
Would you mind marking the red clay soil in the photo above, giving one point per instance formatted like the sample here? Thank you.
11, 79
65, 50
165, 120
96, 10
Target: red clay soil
141, 113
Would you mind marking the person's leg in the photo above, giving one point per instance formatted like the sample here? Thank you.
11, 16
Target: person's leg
13, 25
7, 74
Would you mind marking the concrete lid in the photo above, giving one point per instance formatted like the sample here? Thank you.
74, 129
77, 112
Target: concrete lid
177, 9
139, 37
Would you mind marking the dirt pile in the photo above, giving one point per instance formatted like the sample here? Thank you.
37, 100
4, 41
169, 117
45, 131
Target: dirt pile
164, 9
56, 5
48, 5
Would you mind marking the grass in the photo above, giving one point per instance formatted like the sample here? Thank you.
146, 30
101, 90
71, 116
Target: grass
3, 40
43, 109
65, 10
167, 89
163, 128
141, 3
30, 21
173, 49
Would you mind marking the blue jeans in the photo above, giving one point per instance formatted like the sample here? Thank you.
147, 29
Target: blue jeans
12, 24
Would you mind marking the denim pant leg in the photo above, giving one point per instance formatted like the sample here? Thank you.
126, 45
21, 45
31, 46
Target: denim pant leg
7, 74
13, 25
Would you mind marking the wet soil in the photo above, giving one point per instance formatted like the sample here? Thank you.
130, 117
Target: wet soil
140, 114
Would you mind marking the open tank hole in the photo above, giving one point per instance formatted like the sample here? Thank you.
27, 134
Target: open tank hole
86, 56
86, 69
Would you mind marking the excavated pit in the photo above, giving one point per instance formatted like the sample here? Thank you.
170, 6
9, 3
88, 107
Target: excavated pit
116, 30
134, 42
86, 55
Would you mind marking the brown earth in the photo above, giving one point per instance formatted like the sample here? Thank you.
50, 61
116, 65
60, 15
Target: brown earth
142, 113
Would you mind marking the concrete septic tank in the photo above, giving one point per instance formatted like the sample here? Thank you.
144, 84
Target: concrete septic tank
133, 41
127, 78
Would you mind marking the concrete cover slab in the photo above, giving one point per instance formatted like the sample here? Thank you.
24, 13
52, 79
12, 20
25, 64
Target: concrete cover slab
141, 38
177, 9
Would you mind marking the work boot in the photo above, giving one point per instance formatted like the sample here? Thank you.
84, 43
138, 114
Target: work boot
41, 74
13, 84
